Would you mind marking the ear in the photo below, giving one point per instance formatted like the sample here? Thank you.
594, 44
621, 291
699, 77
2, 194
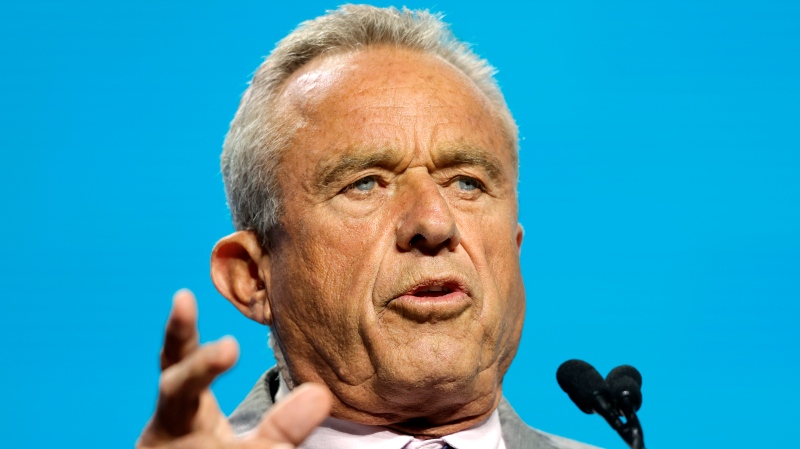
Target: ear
520, 233
240, 269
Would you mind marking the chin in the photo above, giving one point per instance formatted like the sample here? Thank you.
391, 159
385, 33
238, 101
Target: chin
441, 397
432, 381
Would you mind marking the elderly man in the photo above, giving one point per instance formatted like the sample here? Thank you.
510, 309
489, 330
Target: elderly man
371, 173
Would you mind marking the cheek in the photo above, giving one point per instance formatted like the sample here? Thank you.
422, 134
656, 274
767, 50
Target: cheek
502, 258
323, 294
322, 271
489, 234
490, 240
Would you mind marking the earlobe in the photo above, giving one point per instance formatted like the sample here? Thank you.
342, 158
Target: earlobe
520, 234
240, 272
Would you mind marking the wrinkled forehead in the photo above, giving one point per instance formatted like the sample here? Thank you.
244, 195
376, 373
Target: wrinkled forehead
376, 84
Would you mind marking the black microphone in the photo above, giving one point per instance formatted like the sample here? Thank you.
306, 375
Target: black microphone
626, 371
625, 384
587, 389
616, 398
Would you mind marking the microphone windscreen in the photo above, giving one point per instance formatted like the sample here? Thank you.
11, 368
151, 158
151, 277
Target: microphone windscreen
625, 371
623, 386
580, 381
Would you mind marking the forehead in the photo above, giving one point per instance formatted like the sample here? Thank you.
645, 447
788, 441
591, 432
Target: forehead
353, 74
390, 97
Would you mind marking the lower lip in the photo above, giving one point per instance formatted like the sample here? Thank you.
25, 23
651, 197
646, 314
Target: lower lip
431, 308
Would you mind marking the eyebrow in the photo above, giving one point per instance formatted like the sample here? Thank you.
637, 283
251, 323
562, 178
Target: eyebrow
461, 155
354, 160
357, 159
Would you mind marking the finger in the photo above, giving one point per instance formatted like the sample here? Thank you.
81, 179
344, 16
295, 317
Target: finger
206, 441
293, 419
181, 385
181, 336
195, 441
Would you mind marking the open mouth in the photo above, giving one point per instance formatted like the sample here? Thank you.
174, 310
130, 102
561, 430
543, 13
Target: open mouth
432, 291
436, 290
433, 301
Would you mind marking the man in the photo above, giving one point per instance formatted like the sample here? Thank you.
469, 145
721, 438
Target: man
371, 173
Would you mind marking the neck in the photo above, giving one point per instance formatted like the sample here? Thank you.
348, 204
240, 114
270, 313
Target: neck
424, 410
426, 419
422, 428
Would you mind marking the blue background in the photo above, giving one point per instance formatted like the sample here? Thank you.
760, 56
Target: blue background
660, 193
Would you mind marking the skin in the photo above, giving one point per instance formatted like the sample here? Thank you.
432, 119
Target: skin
187, 415
398, 179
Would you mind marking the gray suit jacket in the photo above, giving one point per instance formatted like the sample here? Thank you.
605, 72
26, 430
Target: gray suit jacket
516, 434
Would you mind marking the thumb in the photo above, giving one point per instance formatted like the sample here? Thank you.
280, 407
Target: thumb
293, 419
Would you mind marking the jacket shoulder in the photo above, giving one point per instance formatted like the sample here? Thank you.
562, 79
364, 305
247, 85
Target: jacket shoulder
518, 435
248, 413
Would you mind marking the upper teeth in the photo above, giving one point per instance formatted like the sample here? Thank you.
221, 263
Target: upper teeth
434, 288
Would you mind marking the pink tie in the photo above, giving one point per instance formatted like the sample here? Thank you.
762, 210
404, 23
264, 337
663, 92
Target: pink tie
426, 444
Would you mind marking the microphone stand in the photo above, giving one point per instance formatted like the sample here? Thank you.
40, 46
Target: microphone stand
631, 430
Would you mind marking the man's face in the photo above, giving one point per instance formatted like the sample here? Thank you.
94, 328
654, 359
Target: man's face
394, 274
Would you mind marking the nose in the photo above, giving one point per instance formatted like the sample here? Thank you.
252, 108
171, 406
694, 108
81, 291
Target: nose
427, 224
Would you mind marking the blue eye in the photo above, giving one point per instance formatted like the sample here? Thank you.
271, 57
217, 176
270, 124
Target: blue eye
468, 184
365, 184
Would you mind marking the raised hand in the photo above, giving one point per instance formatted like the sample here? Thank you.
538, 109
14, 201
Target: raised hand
187, 414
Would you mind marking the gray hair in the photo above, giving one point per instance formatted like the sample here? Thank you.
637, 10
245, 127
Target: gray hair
252, 149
